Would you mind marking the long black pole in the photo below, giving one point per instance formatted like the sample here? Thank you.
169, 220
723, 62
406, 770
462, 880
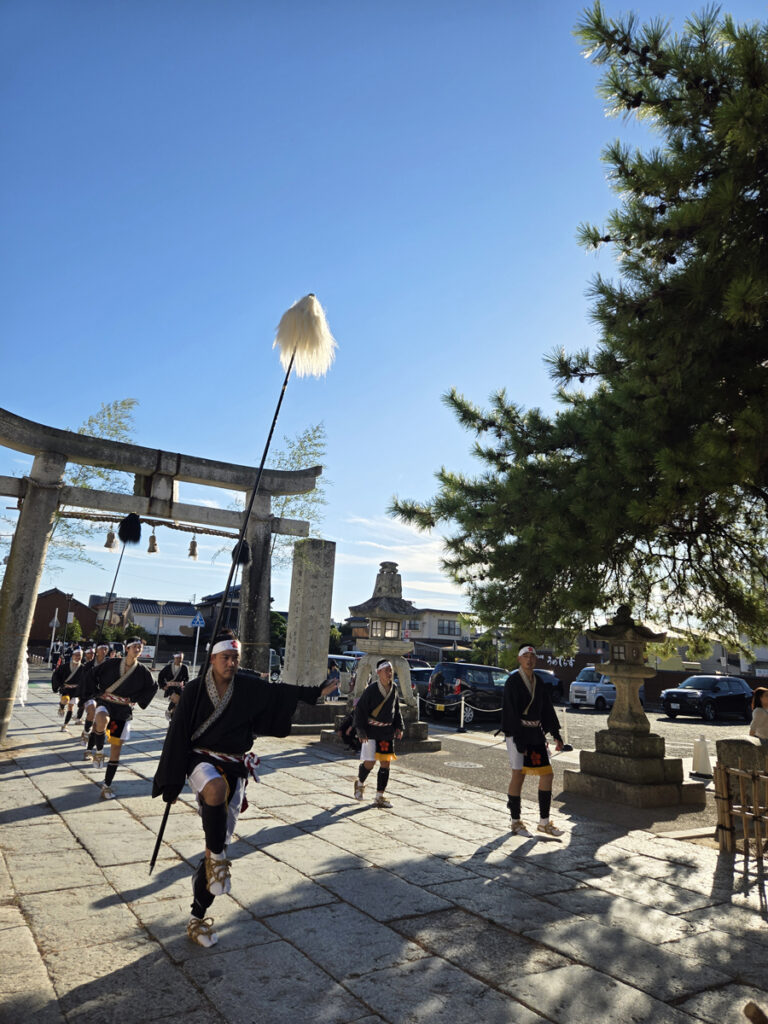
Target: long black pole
112, 591
225, 593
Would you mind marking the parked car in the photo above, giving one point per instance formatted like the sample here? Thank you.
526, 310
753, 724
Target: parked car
592, 689
550, 679
420, 679
709, 697
482, 686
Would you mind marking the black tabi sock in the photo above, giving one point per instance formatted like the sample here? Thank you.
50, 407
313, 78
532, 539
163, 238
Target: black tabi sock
545, 802
96, 741
382, 778
215, 826
363, 772
68, 716
201, 898
110, 773
513, 803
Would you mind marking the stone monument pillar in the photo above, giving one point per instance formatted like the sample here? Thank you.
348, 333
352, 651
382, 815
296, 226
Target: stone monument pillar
309, 613
628, 765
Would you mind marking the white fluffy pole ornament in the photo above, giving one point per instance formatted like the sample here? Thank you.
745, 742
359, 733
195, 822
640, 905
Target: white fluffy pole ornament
307, 346
304, 339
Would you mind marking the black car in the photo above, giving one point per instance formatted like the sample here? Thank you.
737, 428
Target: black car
557, 690
420, 679
709, 697
481, 685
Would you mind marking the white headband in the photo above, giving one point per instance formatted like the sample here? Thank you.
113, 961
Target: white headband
102, 647
526, 650
384, 664
135, 643
225, 645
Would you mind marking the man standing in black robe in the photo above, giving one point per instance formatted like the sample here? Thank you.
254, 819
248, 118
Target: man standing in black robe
208, 743
172, 680
527, 714
119, 684
66, 681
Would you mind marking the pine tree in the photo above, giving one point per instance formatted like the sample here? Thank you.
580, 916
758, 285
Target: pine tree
650, 485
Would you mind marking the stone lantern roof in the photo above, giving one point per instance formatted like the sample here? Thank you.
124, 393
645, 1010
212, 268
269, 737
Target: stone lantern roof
387, 601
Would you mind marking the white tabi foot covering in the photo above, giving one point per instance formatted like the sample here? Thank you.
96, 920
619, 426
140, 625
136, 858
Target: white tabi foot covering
381, 801
549, 829
217, 874
519, 828
200, 930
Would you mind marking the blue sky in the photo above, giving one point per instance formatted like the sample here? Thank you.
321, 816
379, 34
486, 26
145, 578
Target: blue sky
176, 173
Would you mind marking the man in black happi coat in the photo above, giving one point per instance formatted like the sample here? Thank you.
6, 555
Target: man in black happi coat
527, 714
119, 684
378, 723
208, 743
172, 680
65, 681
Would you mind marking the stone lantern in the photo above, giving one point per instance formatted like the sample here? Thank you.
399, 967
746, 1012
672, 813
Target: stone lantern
628, 764
385, 612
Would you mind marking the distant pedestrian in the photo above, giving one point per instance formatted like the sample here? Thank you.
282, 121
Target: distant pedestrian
172, 680
120, 684
527, 715
208, 743
66, 681
759, 726
378, 723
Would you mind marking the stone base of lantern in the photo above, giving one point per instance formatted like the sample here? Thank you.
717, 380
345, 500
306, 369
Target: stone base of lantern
415, 739
630, 768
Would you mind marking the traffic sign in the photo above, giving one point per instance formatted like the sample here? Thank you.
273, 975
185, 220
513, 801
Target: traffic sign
197, 621
54, 624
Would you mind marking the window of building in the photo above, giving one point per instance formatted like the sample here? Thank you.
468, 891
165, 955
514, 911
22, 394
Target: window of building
392, 630
447, 627
413, 626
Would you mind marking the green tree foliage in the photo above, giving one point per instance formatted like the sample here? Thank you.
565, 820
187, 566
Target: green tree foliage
277, 630
334, 641
650, 483
74, 631
304, 450
114, 421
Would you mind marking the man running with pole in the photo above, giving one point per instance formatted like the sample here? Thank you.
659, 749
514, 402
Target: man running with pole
202, 715
209, 744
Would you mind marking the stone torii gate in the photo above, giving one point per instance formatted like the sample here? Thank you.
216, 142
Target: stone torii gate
157, 475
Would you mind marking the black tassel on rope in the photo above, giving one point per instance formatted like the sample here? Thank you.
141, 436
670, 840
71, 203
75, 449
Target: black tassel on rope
129, 530
241, 552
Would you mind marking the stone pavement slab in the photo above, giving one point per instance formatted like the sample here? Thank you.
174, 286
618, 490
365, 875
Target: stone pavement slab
276, 983
581, 995
345, 942
657, 970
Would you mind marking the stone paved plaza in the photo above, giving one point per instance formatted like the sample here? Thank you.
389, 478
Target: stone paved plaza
342, 913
